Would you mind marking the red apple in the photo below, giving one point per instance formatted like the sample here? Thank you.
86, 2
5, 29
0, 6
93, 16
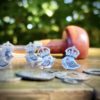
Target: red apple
55, 45
78, 37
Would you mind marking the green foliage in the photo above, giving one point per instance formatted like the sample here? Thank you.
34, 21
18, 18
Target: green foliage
22, 21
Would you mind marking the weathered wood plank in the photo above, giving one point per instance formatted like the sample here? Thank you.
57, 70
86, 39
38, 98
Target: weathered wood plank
55, 89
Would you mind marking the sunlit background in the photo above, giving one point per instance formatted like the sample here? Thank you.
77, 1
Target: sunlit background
22, 21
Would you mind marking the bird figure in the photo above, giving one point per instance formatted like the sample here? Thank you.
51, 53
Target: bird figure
31, 56
68, 62
47, 59
6, 54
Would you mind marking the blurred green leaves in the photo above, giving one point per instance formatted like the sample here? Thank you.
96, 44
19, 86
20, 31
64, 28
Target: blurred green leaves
22, 21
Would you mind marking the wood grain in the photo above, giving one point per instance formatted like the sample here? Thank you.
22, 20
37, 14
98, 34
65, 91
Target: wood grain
55, 89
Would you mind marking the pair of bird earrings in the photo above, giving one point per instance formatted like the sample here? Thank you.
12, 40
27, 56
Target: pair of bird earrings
38, 55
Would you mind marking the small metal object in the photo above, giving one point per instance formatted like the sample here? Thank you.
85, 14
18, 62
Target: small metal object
71, 76
77, 76
70, 81
74, 77
40, 76
60, 74
68, 62
92, 71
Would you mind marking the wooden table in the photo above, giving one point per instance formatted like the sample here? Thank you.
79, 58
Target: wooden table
55, 89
